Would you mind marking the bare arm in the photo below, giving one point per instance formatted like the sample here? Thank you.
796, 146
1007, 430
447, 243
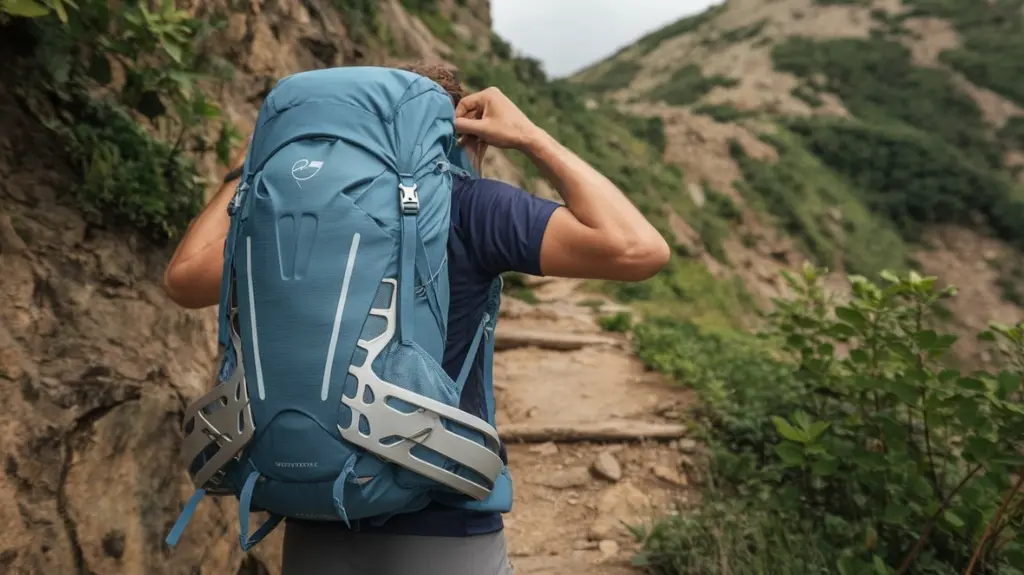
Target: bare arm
601, 235
193, 276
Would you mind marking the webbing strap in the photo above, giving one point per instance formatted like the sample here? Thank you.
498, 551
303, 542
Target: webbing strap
410, 207
489, 374
474, 346
244, 505
184, 517
428, 284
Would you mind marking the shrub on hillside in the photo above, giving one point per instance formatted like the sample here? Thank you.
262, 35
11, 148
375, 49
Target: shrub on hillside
128, 175
912, 178
878, 82
847, 430
687, 85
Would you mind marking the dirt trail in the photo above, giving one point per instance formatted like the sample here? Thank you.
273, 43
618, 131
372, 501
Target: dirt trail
556, 371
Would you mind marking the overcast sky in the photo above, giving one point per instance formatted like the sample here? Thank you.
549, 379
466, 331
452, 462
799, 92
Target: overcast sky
566, 35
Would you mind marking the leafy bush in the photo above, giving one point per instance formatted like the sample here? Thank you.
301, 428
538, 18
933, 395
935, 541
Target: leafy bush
913, 179
618, 322
650, 42
127, 175
991, 52
854, 433
514, 284
818, 208
650, 130
1012, 133
878, 82
620, 73
687, 85
723, 113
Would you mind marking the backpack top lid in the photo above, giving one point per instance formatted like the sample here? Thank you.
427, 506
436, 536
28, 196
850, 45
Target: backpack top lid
381, 94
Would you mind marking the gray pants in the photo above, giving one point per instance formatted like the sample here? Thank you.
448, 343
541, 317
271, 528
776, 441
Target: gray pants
317, 551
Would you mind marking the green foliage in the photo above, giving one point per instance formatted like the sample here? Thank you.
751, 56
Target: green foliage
650, 42
514, 284
742, 33
913, 179
685, 288
723, 113
749, 539
1012, 133
878, 83
362, 18
687, 85
619, 322
855, 432
991, 52
618, 75
127, 175
650, 130
819, 209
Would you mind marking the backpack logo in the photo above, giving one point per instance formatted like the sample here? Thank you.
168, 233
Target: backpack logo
304, 169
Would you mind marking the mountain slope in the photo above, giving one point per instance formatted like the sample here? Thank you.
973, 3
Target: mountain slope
870, 134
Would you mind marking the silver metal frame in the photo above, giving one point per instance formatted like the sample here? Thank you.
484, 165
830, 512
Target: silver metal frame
423, 427
229, 424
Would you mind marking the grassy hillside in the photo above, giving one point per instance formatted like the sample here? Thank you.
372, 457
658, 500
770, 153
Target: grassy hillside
915, 148
888, 120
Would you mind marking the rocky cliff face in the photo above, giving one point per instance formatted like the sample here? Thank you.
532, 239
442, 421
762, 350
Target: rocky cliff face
96, 364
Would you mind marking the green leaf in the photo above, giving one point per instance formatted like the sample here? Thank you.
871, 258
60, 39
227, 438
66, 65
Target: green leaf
173, 50
851, 316
904, 390
24, 8
815, 429
791, 454
859, 356
971, 384
889, 277
825, 466
953, 519
1009, 383
879, 565
979, 449
788, 431
896, 513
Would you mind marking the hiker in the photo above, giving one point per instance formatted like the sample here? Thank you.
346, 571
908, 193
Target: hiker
494, 228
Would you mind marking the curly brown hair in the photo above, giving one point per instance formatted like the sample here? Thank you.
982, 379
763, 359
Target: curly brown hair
445, 76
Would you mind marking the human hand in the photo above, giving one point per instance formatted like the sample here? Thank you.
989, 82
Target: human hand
491, 118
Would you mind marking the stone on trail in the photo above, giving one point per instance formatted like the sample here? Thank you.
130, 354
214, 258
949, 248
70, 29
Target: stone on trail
670, 475
607, 467
549, 448
608, 547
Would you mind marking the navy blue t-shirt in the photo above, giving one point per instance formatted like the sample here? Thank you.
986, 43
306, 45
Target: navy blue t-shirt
495, 228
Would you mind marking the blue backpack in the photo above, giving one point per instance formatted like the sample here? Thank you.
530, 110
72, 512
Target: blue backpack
330, 403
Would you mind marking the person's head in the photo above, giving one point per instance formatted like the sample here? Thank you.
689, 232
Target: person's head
448, 79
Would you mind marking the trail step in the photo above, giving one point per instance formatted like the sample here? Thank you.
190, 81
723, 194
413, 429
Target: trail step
612, 430
506, 339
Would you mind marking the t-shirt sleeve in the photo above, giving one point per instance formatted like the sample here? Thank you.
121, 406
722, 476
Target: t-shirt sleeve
504, 226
